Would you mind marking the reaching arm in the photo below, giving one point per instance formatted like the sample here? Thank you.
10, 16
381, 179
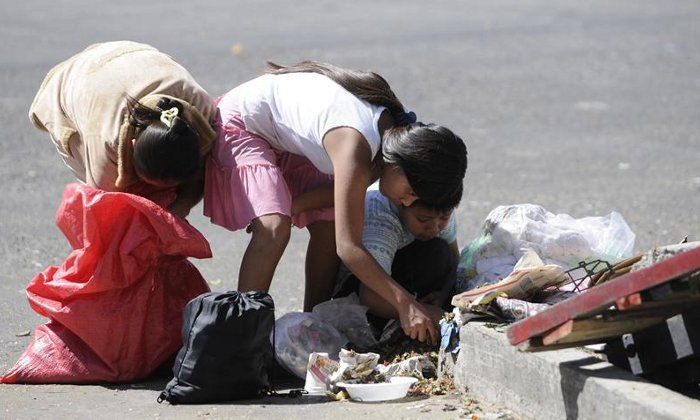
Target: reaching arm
317, 198
351, 157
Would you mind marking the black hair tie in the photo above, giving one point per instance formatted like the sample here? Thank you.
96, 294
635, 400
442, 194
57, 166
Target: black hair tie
405, 118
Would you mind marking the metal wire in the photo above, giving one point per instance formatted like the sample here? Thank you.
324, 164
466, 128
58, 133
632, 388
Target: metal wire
586, 270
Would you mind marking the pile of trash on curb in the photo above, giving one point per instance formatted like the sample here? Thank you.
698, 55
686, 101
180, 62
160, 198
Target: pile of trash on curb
525, 254
518, 266
564, 282
525, 261
327, 350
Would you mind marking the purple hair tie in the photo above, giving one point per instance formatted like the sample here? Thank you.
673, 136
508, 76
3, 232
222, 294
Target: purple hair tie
405, 118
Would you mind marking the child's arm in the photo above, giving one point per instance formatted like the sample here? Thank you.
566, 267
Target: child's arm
317, 198
380, 307
351, 157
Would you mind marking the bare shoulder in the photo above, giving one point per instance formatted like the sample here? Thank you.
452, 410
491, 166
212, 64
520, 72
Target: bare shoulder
346, 141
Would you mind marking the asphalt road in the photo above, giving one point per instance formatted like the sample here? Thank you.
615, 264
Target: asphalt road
581, 107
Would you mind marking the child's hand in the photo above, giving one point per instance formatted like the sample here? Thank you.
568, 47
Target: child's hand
417, 323
435, 311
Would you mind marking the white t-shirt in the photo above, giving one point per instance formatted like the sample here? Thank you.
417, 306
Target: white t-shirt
294, 111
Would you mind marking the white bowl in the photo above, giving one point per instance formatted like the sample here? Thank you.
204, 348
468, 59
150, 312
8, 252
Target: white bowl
395, 389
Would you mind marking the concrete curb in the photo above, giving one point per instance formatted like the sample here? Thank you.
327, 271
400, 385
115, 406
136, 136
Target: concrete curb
569, 383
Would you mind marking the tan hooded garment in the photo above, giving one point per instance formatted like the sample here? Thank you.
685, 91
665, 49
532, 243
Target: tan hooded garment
82, 105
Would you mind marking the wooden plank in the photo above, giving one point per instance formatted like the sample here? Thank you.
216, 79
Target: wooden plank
535, 344
603, 296
559, 333
597, 329
681, 300
591, 334
608, 325
679, 294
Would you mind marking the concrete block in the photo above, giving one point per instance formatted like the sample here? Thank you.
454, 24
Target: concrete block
560, 384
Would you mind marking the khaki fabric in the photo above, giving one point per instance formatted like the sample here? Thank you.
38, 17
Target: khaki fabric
82, 105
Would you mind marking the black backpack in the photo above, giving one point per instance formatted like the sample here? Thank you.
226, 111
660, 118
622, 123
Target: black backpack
226, 353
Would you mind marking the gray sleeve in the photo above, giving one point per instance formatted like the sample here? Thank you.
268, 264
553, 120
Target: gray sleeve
383, 233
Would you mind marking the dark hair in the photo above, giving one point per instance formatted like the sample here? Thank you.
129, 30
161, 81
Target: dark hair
445, 207
368, 86
162, 152
432, 157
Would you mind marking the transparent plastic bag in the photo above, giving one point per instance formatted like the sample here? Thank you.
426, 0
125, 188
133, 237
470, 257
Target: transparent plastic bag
350, 318
298, 334
558, 239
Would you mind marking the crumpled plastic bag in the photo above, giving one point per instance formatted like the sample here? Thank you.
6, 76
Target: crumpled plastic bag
354, 365
299, 334
449, 333
417, 366
350, 318
558, 239
115, 304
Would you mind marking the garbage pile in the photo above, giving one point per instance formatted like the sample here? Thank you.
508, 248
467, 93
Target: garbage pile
526, 259
523, 261
339, 379
638, 307
335, 344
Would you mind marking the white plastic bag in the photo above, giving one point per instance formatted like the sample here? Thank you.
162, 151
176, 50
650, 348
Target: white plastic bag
558, 239
298, 334
350, 318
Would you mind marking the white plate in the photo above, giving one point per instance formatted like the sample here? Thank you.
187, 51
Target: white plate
395, 389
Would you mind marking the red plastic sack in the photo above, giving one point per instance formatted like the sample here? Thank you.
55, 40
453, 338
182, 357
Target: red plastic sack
115, 304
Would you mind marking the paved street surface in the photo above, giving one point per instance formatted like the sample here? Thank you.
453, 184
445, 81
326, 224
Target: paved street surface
581, 107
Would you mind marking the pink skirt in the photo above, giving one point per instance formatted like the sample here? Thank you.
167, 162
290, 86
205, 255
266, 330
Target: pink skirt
246, 178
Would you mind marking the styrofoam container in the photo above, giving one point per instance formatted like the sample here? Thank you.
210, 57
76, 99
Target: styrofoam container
396, 388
